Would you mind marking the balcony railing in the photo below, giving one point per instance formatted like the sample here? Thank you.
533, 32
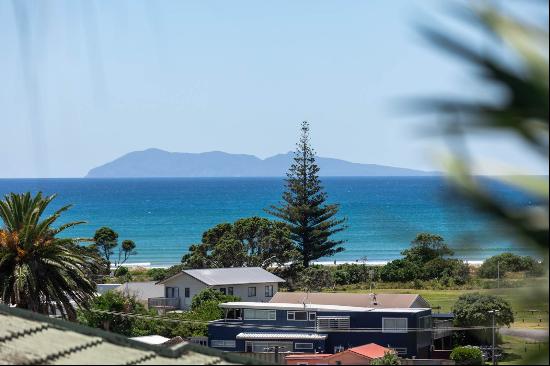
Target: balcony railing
163, 302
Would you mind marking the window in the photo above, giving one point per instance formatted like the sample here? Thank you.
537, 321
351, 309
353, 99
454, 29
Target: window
252, 292
402, 351
303, 345
296, 315
394, 325
338, 349
172, 292
230, 291
267, 346
187, 292
223, 290
333, 322
269, 291
258, 314
312, 317
223, 343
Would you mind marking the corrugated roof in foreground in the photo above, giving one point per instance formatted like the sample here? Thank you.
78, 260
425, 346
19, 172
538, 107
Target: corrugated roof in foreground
29, 338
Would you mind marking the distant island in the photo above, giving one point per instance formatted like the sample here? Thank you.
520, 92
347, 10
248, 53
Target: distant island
156, 163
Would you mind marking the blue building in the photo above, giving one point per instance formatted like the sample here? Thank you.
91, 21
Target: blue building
309, 328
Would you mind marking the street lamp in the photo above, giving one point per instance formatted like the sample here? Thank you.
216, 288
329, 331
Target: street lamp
493, 313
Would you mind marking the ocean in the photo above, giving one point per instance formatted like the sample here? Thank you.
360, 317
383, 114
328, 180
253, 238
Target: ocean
165, 216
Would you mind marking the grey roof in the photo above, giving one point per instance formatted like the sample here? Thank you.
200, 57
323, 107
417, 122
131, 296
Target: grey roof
141, 290
349, 299
231, 276
30, 338
281, 336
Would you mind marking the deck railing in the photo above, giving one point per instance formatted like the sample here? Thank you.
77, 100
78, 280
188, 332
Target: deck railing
163, 302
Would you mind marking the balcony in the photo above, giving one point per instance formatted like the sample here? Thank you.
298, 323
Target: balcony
163, 302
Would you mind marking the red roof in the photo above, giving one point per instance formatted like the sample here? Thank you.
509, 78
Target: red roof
371, 350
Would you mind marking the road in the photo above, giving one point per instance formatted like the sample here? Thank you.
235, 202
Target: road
532, 334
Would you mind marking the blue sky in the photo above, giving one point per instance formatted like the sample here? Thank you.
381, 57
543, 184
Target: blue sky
94, 80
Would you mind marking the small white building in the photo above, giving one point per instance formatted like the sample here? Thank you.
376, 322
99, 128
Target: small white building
249, 283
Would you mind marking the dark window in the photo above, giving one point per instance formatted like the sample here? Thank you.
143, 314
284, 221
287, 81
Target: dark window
296, 315
172, 292
230, 291
251, 291
187, 292
312, 317
223, 291
269, 291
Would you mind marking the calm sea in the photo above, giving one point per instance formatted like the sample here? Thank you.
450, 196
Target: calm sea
165, 216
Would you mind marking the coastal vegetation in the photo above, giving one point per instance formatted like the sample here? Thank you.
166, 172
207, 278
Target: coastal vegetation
106, 240
311, 221
39, 270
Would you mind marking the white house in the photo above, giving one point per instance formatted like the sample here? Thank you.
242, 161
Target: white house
248, 283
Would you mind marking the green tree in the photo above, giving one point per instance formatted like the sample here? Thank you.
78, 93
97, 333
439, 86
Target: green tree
426, 247
311, 221
389, 358
473, 310
316, 278
105, 241
127, 249
507, 262
36, 267
112, 301
250, 242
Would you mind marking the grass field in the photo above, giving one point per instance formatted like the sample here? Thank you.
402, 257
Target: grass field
518, 351
523, 300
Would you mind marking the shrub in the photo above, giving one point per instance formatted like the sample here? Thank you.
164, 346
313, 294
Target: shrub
508, 262
315, 278
467, 355
121, 271
157, 274
209, 295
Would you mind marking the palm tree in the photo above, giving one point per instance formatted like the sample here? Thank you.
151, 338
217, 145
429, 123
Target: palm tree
37, 269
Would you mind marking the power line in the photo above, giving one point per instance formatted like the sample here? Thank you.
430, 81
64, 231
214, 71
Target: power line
281, 327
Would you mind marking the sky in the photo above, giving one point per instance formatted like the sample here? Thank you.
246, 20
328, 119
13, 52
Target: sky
84, 82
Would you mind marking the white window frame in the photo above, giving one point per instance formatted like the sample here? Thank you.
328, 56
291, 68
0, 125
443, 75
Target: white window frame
310, 318
272, 314
269, 290
327, 323
293, 318
395, 330
303, 345
255, 291
223, 343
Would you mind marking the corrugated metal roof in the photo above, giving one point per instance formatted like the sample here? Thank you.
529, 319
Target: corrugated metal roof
281, 306
378, 301
281, 336
30, 338
233, 276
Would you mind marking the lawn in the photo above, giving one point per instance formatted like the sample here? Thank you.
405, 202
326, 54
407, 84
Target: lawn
523, 300
518, 351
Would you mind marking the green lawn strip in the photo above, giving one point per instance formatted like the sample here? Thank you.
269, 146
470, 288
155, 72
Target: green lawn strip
522, 300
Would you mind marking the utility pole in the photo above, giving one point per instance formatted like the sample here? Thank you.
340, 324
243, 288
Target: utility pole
498, 274
493, 313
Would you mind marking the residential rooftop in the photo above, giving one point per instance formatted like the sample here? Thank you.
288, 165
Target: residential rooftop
349, 299
312, 307
229, 276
